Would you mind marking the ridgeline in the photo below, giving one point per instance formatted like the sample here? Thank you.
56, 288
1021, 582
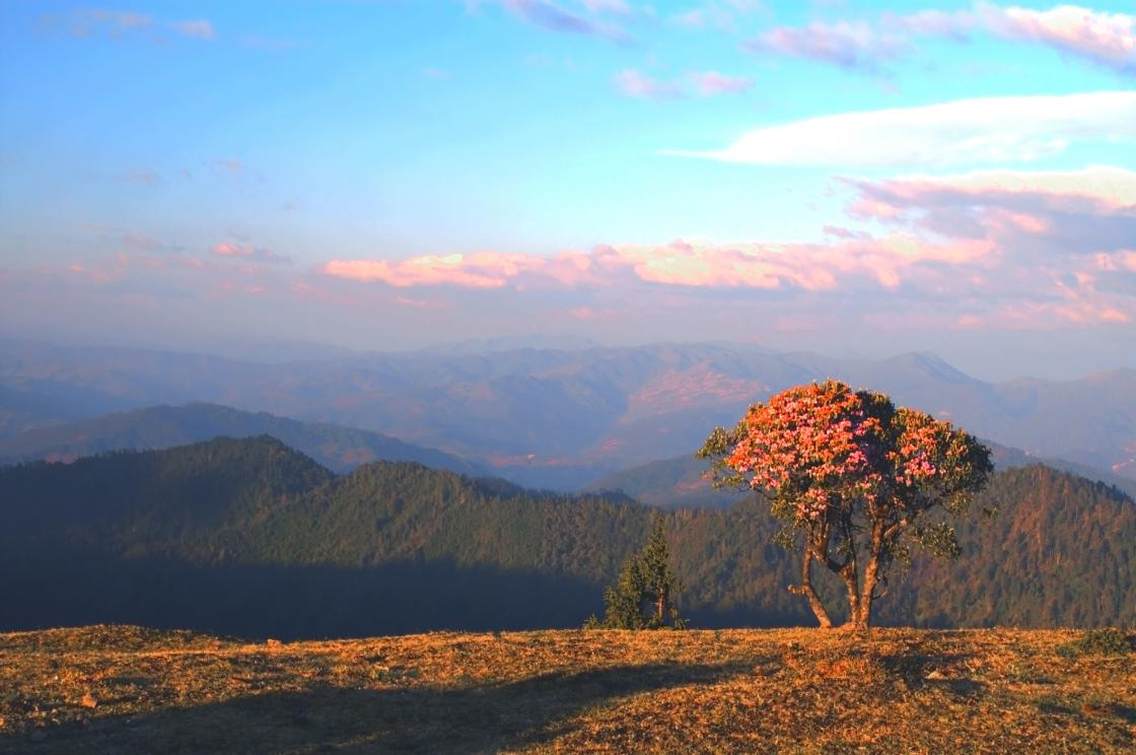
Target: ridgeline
249, 537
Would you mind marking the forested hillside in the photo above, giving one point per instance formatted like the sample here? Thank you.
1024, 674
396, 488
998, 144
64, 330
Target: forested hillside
250, 537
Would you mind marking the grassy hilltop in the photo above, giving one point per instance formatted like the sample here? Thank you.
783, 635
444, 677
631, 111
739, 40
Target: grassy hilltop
131, 690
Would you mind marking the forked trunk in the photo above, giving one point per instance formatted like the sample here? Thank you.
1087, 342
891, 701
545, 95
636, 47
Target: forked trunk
806, 589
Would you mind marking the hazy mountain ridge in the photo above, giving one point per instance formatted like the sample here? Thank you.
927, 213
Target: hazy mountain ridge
338, 448
555, 418
681, 480
243, 535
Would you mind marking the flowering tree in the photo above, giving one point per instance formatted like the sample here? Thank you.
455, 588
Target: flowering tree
856, 480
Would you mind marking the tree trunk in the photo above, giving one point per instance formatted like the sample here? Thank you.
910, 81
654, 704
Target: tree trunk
849, 571
871, 578
661, 607
806, 589
848, 574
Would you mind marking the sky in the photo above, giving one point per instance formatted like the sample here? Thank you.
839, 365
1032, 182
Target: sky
845, 177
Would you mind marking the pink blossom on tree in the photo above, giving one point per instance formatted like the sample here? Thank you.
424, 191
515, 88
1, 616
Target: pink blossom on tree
855, 477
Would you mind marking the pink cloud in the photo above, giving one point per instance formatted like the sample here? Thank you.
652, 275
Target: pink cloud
582, 313
1105, 188
245, 251
970, 321
553, 17
747, 266
710, 83
1028, 215
1012, 250
810, 267
1042, 316
1105, 38
956, 24
855, 46
1108, 39
432, 270
95, 275
1122, 260
635, 84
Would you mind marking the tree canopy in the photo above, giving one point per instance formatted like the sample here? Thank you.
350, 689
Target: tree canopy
857, 479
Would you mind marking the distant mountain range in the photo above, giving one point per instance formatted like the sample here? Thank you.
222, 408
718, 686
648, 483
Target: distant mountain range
666, 483
682, 480
564, 418
248, 536
338, 448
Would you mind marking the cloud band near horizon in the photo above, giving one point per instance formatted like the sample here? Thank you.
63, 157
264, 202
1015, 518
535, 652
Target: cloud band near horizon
1056, 242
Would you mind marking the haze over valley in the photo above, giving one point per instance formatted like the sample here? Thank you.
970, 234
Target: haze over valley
548, 418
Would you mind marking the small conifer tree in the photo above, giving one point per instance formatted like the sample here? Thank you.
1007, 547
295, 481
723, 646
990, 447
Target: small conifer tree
644, 595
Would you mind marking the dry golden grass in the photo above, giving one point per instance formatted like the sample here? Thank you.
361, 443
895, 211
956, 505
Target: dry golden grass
131, 690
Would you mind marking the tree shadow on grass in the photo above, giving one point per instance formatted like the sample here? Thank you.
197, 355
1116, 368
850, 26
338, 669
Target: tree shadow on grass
943, 670
324, 718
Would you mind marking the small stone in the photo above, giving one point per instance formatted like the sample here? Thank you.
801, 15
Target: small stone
936, 674
89, 701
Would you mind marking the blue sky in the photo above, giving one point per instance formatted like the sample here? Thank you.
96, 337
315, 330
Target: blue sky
393, 174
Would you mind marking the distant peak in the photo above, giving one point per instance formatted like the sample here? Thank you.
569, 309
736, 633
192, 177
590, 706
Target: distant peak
930, 364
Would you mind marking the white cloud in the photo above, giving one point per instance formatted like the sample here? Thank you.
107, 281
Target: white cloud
983, 130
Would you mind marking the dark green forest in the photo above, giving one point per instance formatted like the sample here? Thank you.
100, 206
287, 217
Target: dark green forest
249, 537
